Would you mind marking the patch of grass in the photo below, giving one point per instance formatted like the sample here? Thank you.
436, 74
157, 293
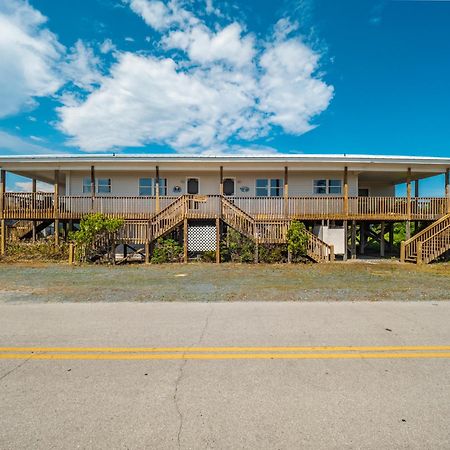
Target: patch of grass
227, 282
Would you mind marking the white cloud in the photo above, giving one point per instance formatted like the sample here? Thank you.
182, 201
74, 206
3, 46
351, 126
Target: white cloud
11, 144
204, 46
82, 67
107, 46
28, 53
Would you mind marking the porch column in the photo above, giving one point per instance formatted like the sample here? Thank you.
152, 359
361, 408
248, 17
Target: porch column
346, 190
408, 204
2, 191
2, 216
221, 180
382, 242
353, 246
362, 238
185, 240
416, 195
447, 189
157, 189
56, 206
345, 225
218, 241
286, 192
92, 181
33, 190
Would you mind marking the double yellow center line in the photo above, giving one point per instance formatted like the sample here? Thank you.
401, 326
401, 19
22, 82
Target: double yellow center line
174, 353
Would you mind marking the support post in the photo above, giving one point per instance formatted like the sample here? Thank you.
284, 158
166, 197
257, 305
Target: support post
346, 190
92, 182
56, 206
221, 180
447, 189
382, 242
147, 252
416, 195
331, 253
71, 253
362, 238
218, 241
419, 252
408, 204
2, 236
391, 237
185, 240
33, 190
2, 192
353, 246
345, 240
286, 192
157, 189
402, 251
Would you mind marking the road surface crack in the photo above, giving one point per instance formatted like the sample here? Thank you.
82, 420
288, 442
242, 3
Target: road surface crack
2, 377
180, 377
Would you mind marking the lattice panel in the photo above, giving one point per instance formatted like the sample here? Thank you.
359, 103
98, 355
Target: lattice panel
201, 238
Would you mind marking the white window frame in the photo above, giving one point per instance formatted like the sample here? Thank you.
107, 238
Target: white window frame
269, 187
327, 186
98, 185
151, 186
88, 185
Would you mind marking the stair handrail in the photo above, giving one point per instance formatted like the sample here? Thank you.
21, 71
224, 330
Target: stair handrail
427, 229
240, 211
327, 251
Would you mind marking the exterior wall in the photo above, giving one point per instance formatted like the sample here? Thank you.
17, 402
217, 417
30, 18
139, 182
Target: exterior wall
127, 183
378, 189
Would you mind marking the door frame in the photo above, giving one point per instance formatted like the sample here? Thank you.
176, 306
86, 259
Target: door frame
234, 181
198, 181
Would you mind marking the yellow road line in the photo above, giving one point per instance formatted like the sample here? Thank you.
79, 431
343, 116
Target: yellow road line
206, 356
228, 349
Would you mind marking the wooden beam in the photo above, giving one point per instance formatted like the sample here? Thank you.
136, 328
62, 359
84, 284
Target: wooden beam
353, 237
92, 181
218, 241
286, 192
157, 189
346, 190
345, 240
221, 180
147, 252
2, 190
447, 188
185, 240
56, 206
382, 241
2, 236
362, 238
33, 189
408, 204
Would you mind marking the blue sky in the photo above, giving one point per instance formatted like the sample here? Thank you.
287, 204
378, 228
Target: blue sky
203, 76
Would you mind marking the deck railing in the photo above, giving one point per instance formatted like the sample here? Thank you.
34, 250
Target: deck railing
43, 206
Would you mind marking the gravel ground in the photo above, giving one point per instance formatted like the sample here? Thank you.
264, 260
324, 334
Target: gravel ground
353, 281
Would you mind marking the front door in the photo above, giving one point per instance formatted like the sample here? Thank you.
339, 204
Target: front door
228, 186
192, 186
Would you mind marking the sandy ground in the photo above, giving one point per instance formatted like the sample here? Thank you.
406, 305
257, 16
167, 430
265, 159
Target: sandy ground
353, 281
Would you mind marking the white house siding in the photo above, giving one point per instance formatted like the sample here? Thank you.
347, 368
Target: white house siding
127, 183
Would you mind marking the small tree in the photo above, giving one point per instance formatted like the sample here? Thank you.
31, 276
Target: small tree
92, 227
297, 240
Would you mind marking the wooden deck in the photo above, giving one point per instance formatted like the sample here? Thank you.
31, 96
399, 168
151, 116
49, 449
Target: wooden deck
39, 206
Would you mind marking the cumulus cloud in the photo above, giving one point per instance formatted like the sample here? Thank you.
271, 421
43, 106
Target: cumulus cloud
15, 145
28, 55
220, 85
26, 186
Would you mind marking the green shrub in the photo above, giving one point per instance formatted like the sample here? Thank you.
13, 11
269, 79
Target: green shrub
273, 253
209, 256
237, 248
42, 250
167, 250
92, 227
297, 240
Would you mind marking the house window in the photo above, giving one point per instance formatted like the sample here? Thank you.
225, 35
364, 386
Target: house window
86, 185
327, 187
145, 186
320, 187
269, 187
334, 187
104, 185
162, 186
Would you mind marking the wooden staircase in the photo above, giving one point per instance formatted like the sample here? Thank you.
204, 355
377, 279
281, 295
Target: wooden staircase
429, 244
189, 207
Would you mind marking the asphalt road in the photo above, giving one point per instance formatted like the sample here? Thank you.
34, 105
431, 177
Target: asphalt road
225, 375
